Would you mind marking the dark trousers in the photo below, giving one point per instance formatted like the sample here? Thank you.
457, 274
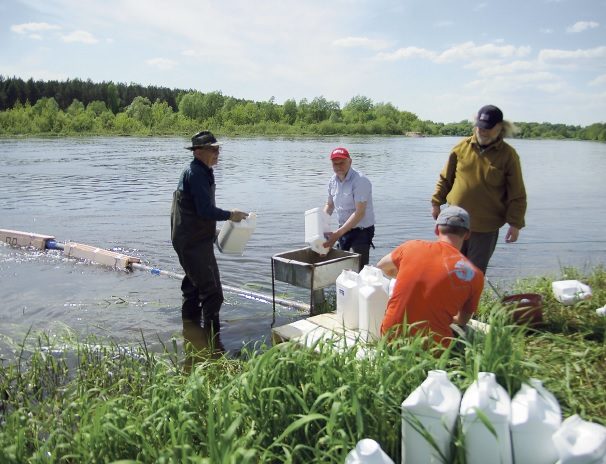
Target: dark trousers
359, 240
480, 247
201, 286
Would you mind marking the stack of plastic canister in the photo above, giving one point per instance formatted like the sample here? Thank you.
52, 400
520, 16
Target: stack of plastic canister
485, 414
429, 417
535, 417
362, 300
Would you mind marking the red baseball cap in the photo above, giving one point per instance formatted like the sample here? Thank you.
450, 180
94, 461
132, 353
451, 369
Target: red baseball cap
339, 153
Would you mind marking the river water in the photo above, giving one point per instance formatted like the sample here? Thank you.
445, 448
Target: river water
115, 193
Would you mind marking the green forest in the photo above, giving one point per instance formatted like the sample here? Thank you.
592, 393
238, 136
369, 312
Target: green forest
78, 107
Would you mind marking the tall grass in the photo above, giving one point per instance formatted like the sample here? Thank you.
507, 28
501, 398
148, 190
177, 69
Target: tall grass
72, 401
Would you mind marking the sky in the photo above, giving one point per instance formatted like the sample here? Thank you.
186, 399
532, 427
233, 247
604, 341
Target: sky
538, 60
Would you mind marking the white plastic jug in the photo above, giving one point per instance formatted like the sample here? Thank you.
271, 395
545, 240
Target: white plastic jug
317, 223
368, 451
235, 235
372, 303
371, 273
432, 408
482, 446
580, 442
535, 416
569, 292
347, 298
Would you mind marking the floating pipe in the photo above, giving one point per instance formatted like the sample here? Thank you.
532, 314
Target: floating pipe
17, 238
237, 290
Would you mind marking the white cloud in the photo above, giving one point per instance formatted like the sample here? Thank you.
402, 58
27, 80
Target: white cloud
407, 53
80, 36
515, 67
161, 63
33, 30
361, 42
467, 51
581, 26
571, 57
546, 30
541, 80
600, 80
471, 51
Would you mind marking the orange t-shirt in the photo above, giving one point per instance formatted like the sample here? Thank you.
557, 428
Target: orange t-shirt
434, 282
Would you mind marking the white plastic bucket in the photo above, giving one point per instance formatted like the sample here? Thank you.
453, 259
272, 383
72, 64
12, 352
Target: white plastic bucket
535, 416
569, 292
368, 451
317, 223
580, 442
431, 409
372, 303
235, 235
482, 446
347, 298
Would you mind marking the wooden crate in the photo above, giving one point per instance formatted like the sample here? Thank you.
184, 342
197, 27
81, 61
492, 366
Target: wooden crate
25, 239
98, 255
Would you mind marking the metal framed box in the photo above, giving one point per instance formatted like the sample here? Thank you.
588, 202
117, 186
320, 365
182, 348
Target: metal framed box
307, 269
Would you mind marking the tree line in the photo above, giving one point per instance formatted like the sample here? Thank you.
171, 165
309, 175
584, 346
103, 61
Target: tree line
75, 107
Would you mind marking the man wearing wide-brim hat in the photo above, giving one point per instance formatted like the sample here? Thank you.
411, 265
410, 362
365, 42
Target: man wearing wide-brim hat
194, 217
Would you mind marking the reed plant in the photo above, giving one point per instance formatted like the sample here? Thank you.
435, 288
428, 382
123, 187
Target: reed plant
65, 400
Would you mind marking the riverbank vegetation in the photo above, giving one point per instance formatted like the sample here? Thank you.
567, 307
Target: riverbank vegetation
76, 107
73, 401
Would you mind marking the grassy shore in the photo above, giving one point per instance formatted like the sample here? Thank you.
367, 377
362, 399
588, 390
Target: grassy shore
73, 401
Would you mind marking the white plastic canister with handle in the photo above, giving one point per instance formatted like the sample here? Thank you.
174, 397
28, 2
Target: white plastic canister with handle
485, 414
569, 292
535, 416
347, 298
235, 235
430, 411
372, 303
368, 451
580, 442
317, 223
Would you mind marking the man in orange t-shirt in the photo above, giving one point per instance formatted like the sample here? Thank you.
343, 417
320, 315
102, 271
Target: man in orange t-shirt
435, 284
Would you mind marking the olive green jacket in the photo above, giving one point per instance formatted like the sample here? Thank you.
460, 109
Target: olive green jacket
486, 182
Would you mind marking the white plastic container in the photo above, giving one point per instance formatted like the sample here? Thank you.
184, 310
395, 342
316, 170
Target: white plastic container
569, 292
535, 416
317, 223
235, 235
580, 442
432, 408
372, 303
371, 273
368, 451
347, 298
482, 446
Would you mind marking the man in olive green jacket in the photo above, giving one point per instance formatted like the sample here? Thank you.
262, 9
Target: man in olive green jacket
483, 175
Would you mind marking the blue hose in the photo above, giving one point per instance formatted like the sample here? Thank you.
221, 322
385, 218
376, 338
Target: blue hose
54, 245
